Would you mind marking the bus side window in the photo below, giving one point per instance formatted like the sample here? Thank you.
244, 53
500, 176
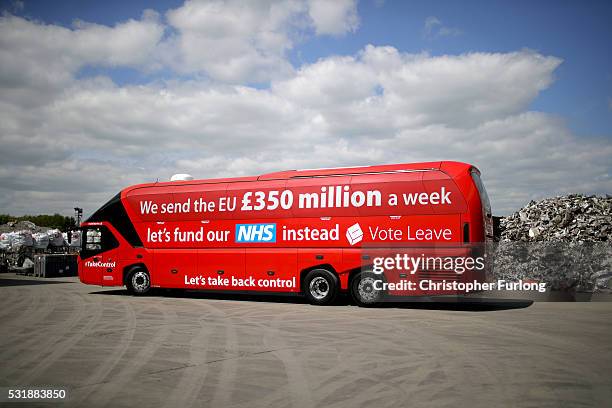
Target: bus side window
97, 240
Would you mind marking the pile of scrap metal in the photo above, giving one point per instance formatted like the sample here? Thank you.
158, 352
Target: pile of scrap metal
563, 241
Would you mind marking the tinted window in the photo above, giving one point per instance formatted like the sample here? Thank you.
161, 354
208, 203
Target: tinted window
114, 212
96, 240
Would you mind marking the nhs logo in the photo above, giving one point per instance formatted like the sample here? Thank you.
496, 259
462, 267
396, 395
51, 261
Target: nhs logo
249, 233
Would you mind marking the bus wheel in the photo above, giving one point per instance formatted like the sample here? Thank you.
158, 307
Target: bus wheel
138, 282
320, 287
363, 291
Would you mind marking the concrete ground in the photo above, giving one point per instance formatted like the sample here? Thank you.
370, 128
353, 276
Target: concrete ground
111, 349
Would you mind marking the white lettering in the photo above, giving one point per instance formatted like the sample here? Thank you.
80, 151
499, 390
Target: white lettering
435, 198
429, 234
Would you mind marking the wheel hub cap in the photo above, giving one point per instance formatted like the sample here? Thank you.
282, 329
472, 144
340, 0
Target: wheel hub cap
319, 288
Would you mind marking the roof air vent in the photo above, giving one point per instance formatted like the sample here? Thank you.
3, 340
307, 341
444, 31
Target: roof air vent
181, 177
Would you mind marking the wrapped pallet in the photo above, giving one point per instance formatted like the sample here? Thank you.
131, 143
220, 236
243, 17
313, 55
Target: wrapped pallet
56, 239
41, 240
21, 239
5, 241
75, 240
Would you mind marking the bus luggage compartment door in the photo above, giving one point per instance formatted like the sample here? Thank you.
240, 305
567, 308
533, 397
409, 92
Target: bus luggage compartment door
174, 267
272, 270
221, 269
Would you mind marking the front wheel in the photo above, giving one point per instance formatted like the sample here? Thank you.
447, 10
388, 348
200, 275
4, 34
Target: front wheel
139, 282
363, 289
320, 287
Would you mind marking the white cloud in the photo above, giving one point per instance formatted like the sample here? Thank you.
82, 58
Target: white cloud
232, 41
66, 141
334, 17
39, 60
226, 40
431, 22
419, 90
433, 27
238, 42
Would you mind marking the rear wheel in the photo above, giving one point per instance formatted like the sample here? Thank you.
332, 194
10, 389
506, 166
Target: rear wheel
320, 287
363, 289
139, 282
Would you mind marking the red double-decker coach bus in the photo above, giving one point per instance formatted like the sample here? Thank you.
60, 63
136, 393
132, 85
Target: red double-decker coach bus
309, 232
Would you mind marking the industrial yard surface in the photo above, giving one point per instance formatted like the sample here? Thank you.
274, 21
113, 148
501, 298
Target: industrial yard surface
110, 349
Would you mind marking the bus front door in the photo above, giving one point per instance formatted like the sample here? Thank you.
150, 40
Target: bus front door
98, 256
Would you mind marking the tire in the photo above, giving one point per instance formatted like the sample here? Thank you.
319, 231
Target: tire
320, 287
362, 289
138, 282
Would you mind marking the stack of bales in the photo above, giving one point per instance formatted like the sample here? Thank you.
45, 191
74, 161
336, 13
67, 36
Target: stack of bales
20, 240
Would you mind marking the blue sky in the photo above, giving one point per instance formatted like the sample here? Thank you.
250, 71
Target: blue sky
578, 32
96, 96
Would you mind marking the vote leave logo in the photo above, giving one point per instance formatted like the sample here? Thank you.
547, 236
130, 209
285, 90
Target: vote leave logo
354, 234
